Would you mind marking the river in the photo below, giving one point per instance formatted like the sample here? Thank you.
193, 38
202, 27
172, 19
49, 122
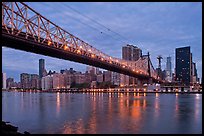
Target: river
103, 113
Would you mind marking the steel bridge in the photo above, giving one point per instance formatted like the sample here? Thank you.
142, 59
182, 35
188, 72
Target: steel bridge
25, 29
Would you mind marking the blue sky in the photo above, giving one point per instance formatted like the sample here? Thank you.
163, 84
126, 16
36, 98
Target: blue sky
157, 27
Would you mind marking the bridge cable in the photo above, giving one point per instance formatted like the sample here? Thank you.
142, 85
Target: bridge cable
96, 22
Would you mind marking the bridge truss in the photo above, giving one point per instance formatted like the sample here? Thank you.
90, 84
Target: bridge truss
21, 21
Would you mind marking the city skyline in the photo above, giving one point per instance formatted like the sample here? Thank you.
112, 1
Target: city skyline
182, 31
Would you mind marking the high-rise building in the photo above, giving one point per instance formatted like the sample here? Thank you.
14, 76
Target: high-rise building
41, 67
131, 52
99, 78
58, 81
107, 76
124, 80
183, 65
194, 73
9, 82
87, 77
168, 69
79, 78
115, 78
91, 69
47, 82
25, 80
34, 81
3, 80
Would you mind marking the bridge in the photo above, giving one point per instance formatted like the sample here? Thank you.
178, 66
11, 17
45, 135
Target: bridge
25, 29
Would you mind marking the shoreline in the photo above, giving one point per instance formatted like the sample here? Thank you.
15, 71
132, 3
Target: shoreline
166, 92
7, 128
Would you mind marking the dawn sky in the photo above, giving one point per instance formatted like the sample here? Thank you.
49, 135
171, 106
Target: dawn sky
152, 26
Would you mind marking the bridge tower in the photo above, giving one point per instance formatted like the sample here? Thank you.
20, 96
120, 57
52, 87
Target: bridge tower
148, 65
159, 66
148, 70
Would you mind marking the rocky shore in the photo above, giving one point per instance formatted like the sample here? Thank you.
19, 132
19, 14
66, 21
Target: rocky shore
10, 129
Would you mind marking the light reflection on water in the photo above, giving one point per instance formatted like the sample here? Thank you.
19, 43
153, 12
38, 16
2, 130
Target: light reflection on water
103, 112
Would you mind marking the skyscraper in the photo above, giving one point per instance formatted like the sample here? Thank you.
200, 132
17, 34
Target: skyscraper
194, 73
131, 52
3, 80
41, 67
183, 65
168, 69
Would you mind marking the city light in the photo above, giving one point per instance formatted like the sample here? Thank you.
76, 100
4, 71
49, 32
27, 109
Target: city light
65, 47
85, 99
78, 51
49, 42
92, 55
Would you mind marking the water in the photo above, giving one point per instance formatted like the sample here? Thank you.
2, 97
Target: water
103, 112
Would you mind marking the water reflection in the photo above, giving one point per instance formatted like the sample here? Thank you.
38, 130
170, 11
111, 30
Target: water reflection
58, 103
198, 107
91, 113
156, 106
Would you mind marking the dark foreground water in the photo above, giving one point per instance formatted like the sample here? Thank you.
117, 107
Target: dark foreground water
103, 112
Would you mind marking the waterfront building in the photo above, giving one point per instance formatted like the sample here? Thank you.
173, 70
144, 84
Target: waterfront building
25, 80
69, 79
3, 80
17, 84
47, 82
124, 80
93, 84
9, 82
91, 69
58, 81
107, 76
79, 78
99, 78
88, 77
97, 71
115, 78
183, 65
34, 81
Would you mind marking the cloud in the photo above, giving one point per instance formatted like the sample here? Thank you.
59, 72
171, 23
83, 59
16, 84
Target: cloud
155, 27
